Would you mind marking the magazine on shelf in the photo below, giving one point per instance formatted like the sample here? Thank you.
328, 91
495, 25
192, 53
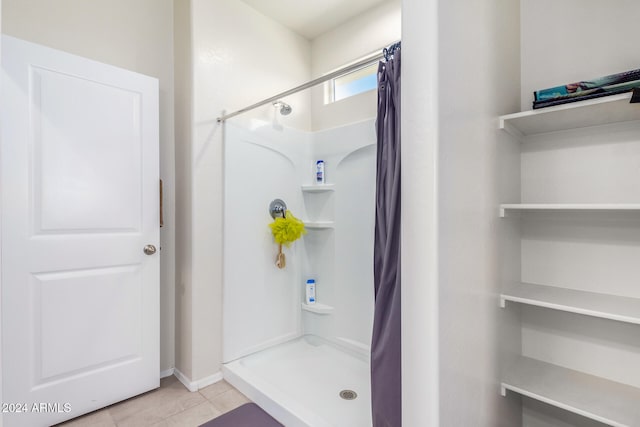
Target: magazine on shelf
578, 88
589, 94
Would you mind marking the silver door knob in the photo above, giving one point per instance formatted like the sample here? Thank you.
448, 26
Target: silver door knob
149, 249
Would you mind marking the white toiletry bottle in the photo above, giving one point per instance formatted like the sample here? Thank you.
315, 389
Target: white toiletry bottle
311, 292
320, 172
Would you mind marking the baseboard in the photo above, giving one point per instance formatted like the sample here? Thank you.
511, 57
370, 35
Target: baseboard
197, 385
211, 379
184, 380
167, 373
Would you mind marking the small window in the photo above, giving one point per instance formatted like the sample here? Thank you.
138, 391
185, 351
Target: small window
355, 82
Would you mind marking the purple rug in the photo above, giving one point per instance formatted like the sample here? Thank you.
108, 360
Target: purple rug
247, 415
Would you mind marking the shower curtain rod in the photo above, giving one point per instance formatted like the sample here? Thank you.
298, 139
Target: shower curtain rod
307, 85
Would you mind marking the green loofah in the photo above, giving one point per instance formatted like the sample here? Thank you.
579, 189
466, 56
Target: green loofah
287, 230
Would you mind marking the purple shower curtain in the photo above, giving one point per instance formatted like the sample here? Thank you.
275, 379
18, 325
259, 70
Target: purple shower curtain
385, 345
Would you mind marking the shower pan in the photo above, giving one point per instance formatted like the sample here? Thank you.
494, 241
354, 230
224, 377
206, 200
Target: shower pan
307, 365
301, 383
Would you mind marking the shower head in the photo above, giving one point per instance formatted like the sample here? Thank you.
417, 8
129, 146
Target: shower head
285, 109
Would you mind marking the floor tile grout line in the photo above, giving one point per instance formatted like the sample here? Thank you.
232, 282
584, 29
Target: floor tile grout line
233, 399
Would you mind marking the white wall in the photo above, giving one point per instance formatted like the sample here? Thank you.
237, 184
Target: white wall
183, 130
364, 34
479, 66
239, 57
456, 56
573, 40
134, 35
419, 269
1, 416
572, 48
538, 414
367, 33
594, 252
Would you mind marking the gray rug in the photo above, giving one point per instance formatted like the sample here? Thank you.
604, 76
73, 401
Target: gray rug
247, 415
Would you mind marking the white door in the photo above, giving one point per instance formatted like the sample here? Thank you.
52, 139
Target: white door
79, 184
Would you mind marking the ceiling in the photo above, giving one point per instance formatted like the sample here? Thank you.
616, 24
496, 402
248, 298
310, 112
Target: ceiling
310, 18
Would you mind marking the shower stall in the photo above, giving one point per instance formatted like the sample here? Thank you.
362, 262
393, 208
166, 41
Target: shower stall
305, 364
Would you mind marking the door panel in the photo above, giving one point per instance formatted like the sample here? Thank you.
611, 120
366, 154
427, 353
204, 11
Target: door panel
79, 176
107, 323
86, 154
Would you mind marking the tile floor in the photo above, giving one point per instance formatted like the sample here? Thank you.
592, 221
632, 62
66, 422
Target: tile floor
172, 405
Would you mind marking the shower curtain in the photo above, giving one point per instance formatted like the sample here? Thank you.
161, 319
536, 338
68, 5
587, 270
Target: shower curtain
385, 344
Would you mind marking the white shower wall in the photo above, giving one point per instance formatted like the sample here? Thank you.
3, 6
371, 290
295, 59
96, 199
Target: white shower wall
341, 259
239, 56
259, 299
263, 304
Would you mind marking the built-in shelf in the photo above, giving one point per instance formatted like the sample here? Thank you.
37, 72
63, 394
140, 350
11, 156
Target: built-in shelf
593, 112
319, 225
613, 307
317, 188
593, 397
317, 308
568, 207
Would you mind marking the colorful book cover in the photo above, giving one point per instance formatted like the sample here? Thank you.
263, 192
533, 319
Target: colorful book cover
578, 88
589, 94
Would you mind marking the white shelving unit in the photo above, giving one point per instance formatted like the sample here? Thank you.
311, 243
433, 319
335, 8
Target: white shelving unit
602, 400
605, 306
314, 193
318, 188
317, 308
586, 207
595, 397
593, 112
319, 225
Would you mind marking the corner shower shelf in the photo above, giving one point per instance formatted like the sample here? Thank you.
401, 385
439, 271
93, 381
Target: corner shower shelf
599, 399
593, 112
612, 307
319, 225
568, 207
318, 308
318, 188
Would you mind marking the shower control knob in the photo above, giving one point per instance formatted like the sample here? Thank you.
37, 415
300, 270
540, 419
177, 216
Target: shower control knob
149, 249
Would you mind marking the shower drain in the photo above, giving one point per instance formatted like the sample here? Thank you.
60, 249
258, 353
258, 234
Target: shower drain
348, 394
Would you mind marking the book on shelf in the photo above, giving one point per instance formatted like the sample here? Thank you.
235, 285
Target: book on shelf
575, 89
589, 94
